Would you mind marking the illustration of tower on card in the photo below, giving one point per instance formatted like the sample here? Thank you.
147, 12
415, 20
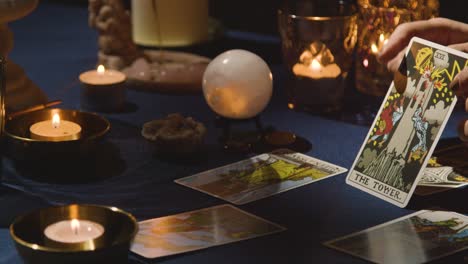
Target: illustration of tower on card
427, 101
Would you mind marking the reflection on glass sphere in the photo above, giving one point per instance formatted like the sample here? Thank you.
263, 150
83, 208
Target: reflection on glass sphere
237, 84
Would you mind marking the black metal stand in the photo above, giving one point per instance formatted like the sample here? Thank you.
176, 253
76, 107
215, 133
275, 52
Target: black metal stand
239, 140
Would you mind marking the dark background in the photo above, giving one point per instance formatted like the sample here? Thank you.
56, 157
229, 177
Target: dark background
260, 15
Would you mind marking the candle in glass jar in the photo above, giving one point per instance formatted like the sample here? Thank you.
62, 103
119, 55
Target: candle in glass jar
73, 231
316, 70
55, 130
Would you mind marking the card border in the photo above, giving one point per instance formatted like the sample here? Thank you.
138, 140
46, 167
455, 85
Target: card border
280, 229
432, 148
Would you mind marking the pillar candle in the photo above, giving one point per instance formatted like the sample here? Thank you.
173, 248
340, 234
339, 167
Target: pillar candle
169, 23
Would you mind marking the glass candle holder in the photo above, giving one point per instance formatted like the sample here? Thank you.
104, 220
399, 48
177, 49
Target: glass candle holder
377, 20
318, 40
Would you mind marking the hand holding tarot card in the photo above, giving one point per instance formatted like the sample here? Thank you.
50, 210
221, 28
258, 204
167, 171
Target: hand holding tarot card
408, 125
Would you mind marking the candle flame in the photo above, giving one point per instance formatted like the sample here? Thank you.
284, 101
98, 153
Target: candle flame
374, 49
101, 69
75, 225
381, 38
56, 120
315, 65
365, 62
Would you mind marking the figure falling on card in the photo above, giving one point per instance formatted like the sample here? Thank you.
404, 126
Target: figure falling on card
409, 124
420, 125
387, 121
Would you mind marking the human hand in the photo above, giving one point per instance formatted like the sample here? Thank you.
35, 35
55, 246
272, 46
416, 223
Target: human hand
440, 30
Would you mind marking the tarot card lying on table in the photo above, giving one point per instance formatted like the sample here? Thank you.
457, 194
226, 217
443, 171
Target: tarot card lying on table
439, 179
406, 130
445, 170
261, 176
417, 238
198, 229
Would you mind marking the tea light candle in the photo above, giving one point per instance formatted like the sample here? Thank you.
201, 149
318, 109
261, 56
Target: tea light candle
102, 89
55, 130
73, 231
315, 70
318, 81
101, 76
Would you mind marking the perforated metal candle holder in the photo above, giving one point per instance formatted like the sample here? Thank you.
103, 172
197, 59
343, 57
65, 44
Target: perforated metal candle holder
20, 146
112, 246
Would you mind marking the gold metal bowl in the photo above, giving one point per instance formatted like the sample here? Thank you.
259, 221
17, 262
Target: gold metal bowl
111, 247
20, 145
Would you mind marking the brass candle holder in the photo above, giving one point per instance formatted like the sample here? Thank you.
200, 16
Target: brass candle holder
22, 147
112, 246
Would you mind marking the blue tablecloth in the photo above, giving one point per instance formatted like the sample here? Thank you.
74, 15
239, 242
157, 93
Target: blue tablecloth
54, 44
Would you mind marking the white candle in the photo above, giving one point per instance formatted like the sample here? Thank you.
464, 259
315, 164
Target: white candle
102, 89
315, 70
55, 130
169, 23
74, 231
101, 76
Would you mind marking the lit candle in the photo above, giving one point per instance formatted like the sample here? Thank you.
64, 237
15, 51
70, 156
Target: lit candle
382, 42
74, 231
102, 89
101, 76
55, 130
316, 70
169, 23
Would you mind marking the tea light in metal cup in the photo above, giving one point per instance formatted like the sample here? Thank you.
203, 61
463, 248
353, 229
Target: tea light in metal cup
102, 90
74, 234
55, 130
73, 231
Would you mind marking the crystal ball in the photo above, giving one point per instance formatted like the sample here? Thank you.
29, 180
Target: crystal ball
237, 84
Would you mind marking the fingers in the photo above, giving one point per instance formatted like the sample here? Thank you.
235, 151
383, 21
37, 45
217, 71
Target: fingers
460, 46
460, 84
394, 63
466, 105
463, 130
440, 30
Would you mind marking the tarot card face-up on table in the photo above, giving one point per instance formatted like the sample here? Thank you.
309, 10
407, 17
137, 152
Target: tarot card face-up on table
417, 238
408, 126
198, 229
446, 169
261, 176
